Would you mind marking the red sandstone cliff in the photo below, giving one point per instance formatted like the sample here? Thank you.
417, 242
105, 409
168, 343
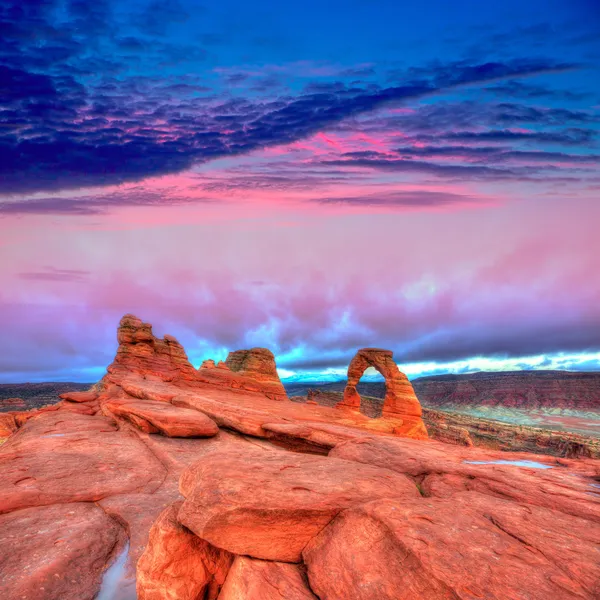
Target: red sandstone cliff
512, 389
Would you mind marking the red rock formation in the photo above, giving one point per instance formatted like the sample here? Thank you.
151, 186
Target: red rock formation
8, 424
142, 353
160, 417
393, 550
177, 565
82, 397
252, 370
57, 458
279, 501
13, 404
400, 400
251, 579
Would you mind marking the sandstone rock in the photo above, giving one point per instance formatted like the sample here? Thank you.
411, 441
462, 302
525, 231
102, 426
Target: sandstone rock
88, 396
177, 565
57, 457
251, 579
164, 418
258, 364
140, 352
56, 552
209, 363
443, 473
8, 424
407, 550
269, 504
400, 399
137, 513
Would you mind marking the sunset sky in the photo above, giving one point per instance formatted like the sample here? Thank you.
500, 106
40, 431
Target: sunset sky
312, 177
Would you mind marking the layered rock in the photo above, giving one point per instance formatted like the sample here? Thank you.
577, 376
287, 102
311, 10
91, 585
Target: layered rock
141, 352
56, 552
252, 370
400, 399
160, 417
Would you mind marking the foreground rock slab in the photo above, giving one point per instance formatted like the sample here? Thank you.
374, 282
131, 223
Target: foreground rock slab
432, 549
58, 457
269, 504
54, 552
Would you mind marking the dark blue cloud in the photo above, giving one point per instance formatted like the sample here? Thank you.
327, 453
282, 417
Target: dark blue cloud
102, 93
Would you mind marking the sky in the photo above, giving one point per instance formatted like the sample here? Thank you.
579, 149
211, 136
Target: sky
309, 177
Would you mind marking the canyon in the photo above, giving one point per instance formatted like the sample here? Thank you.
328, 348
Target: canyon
163, 481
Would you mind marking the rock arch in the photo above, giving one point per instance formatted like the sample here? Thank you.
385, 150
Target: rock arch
400, 399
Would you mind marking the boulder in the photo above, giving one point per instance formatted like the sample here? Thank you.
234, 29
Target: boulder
177, 565
88, 396
161, 417
269, 504
251, 579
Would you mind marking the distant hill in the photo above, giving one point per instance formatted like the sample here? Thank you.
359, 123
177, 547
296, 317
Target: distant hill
510, 389
34, 395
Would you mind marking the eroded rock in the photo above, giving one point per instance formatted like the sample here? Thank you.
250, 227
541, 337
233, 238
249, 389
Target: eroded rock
400, 399
57, 457
407, 550
251, 579
269, 504
161, 417
56, 552
177, 565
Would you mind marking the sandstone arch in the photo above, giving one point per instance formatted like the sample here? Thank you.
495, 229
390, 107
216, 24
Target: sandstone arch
400, 399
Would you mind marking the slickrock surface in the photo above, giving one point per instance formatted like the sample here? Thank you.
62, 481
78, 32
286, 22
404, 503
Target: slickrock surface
271, 503
56, 551
282, 500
